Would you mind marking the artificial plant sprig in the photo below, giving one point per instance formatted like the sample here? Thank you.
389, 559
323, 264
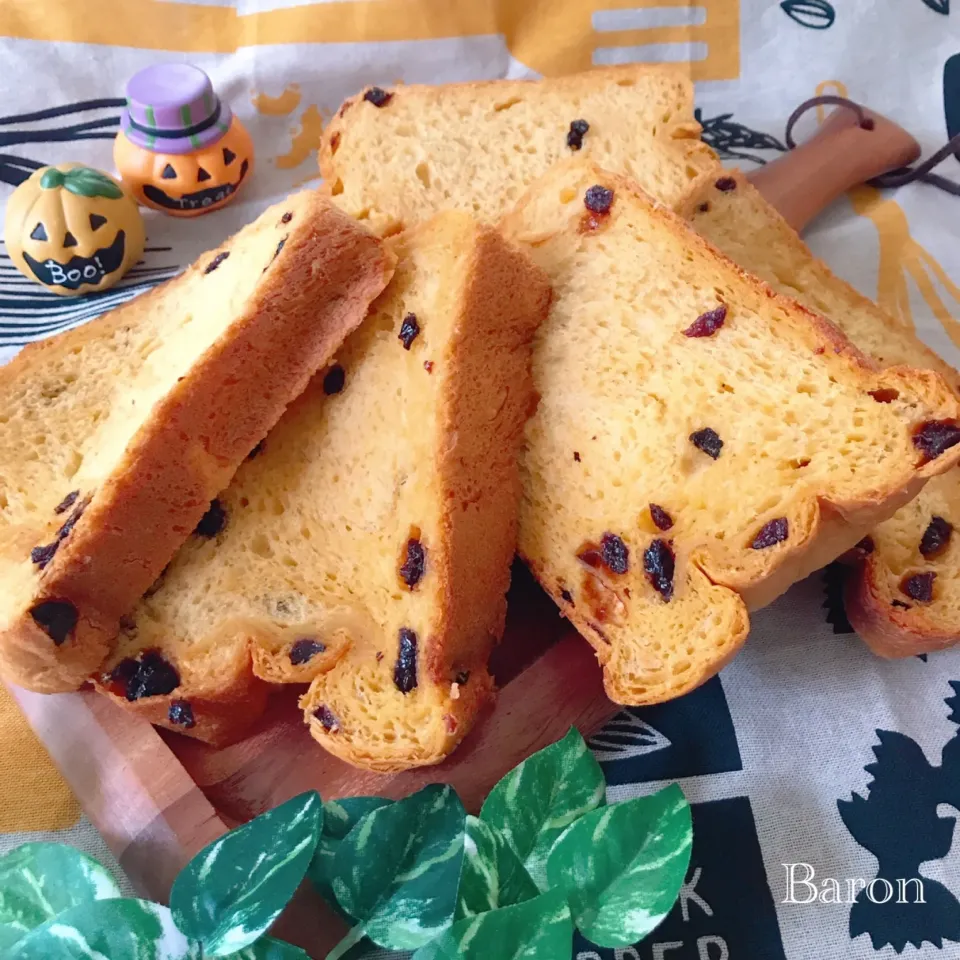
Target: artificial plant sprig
546, 854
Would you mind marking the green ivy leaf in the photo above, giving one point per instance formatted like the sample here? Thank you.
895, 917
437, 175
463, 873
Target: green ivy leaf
622, 867
266, 948
492, 875
114, 929
40, 880
339, 818
537, 800
396, 871
538, 929
230, 892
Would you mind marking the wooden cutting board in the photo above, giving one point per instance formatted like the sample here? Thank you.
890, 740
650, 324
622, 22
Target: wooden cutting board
158, 798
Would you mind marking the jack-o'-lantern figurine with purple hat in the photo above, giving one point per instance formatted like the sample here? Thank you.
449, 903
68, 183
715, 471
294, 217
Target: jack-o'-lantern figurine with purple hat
180, 149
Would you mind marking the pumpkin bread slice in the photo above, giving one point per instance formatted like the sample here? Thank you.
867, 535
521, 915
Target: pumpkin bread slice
117, 434
393, 157
700, 443
903, 594
367, 546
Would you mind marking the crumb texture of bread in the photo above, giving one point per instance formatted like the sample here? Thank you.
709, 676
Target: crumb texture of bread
700, 443
117, 435
920, 538
743, 226
476, 146
366, 548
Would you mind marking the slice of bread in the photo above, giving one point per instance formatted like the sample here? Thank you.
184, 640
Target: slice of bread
393, 158
888, 608
740, 223
117, 434
701, 443
367, 546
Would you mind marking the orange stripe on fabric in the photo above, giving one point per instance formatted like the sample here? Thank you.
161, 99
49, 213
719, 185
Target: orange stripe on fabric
187, 28
550, 36
33, 794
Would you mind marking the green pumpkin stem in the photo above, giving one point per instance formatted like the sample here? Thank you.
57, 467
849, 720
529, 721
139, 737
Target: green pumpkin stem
82, 181
51, 179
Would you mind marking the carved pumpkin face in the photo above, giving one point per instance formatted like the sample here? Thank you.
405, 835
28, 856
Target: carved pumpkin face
186, 185
73, 229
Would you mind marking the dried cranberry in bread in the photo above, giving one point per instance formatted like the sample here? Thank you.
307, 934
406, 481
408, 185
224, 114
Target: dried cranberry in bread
367, 545
116, 435
393, 157
670, 379
903, 595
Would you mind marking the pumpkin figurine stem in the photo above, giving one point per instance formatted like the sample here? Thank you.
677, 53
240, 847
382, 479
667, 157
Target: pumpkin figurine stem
73, 229
180, 149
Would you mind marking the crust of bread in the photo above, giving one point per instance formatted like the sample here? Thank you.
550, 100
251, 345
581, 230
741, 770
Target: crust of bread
889, 631
221, 713
186, 450
480, 430
911, 350
483, 413
822, 526
462, 705
874, 606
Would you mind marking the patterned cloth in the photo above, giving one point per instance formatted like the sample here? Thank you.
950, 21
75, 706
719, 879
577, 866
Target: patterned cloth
807, 750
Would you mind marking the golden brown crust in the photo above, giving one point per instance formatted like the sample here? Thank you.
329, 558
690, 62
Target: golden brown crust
791, 243
886, 621
456, 716
487, 397
218, 716
187, 449
484, 412
477, 327
887, 629
822, 526
226, 698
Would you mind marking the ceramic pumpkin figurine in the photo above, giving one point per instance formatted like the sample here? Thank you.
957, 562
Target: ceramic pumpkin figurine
180, 150
73, 229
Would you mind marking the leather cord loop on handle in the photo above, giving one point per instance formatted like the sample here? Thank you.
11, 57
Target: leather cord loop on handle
894, 178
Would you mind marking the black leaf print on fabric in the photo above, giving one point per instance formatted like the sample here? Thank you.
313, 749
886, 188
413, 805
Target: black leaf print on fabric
28, 313
14, 170
834, 578
939, 6
29, 128
732, 140
951, 95
815, 14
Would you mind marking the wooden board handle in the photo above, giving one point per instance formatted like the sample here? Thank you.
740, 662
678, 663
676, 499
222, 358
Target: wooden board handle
840, 155
153, 817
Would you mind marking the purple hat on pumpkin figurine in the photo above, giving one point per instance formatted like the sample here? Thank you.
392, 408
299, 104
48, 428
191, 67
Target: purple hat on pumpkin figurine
180, 149
173, 107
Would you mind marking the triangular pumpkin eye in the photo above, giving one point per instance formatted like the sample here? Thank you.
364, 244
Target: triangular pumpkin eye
169, 173
202, 175
96, 221
69, 240
228, 156
39, 233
